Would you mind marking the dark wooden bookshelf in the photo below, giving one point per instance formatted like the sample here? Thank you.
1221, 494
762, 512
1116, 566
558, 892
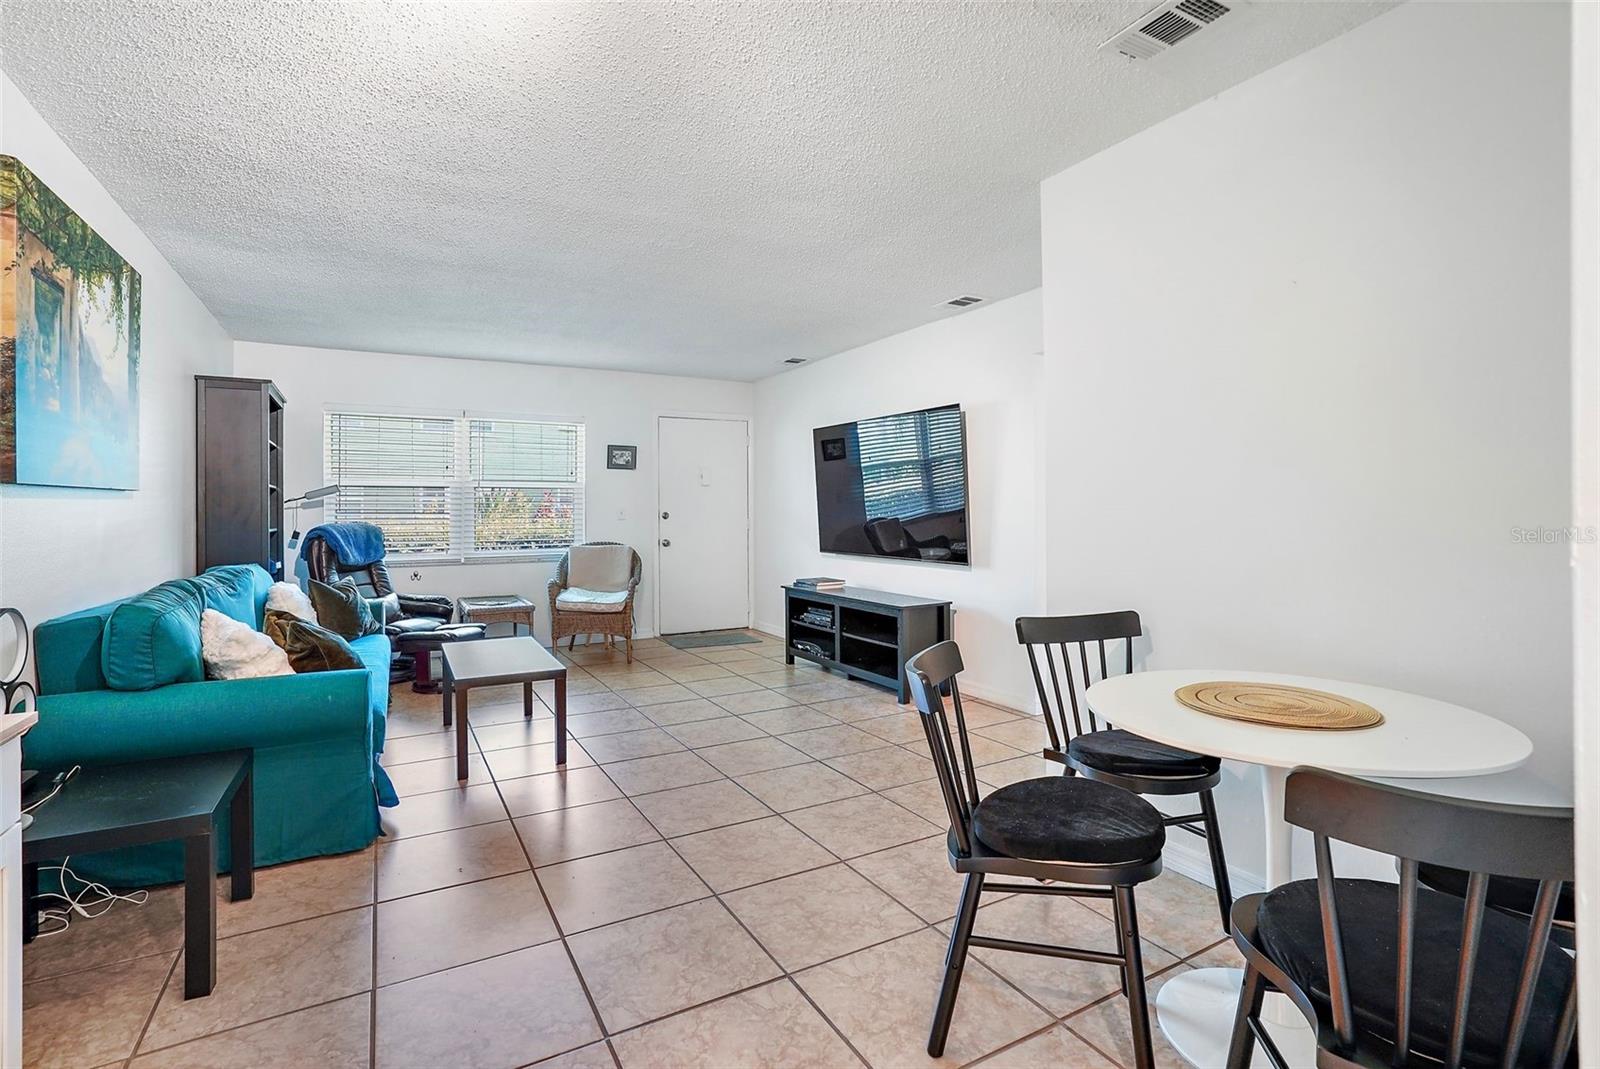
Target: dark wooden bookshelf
238, 473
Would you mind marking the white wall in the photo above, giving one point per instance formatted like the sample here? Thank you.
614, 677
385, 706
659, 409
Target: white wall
987, 360
1315, 329
1586, 493
616, 408
64, 549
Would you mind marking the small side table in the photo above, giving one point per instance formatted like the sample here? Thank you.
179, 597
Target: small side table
151, 802
492, 662
513, 609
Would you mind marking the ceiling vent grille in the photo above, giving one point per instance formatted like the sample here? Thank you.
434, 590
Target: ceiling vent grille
795, 360
1159, 29
964, 301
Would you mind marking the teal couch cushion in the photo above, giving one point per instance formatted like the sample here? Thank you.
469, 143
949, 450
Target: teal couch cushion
66, 651
238, 591
153, 639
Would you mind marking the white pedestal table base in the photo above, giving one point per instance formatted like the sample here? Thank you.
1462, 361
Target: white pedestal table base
1195, 1010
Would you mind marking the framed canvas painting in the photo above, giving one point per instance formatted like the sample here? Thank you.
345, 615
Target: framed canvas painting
69, 345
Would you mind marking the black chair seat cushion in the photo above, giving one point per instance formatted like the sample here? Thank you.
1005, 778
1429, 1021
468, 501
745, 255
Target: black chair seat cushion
1289, 930
1068, 818
1125, 753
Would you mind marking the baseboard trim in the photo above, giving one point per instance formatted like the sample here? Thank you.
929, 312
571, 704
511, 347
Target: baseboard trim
1002, 697
1188, 856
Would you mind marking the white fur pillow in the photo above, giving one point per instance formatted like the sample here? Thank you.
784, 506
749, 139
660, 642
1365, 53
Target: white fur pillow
289, 598
232, 650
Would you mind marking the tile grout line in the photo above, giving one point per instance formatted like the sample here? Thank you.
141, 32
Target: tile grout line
789, 975
572, 961
372, 989
150, 1017
783, 971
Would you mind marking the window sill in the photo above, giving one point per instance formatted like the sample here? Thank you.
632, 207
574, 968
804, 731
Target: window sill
547, 556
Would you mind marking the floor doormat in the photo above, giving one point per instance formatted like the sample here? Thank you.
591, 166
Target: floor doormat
699, 639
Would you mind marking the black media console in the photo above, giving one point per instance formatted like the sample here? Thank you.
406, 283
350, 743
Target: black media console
871, 635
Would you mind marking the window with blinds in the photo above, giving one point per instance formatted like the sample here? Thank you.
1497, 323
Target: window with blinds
913, 464
458, 485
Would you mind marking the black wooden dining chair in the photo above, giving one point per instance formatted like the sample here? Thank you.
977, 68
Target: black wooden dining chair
1417, 976
1091, 840
1104, 752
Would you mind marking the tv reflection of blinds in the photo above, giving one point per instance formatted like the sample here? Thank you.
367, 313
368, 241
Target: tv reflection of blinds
894, 486
912, 464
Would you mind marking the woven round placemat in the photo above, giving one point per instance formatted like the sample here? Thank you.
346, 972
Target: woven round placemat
1279, 706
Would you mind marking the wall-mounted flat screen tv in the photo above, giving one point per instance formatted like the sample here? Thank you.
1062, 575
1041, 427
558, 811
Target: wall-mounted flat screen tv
894, 486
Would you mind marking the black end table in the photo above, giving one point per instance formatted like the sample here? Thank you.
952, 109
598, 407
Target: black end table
493, 661
152, 802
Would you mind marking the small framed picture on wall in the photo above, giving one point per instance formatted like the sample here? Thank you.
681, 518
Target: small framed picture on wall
625, 457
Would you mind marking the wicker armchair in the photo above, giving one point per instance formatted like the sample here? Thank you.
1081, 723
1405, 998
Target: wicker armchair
570, 623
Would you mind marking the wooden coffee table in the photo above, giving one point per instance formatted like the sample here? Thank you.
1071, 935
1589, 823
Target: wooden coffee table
510, 609
491, 662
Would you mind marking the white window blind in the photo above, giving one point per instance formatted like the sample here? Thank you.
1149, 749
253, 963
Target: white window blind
913, 464
458, 485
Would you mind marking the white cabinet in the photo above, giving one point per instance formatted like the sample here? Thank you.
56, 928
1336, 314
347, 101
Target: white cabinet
11, 730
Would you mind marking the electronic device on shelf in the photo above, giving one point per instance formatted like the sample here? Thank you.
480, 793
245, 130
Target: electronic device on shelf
809, 648
817, 617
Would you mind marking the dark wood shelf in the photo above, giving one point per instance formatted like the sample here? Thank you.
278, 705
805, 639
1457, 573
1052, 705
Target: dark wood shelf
871, 641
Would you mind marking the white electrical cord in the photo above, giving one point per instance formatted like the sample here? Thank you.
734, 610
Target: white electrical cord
60, 783
88, 902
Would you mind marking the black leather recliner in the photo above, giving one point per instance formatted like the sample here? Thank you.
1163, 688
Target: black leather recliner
890, 538
416, 623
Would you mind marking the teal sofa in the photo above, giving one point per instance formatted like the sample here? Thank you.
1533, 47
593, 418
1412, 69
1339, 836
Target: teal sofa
124, 682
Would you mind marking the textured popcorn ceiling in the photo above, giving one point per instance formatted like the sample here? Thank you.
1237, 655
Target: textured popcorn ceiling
691, 188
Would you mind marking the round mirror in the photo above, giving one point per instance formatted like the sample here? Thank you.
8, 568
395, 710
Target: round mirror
13, 645
20, 698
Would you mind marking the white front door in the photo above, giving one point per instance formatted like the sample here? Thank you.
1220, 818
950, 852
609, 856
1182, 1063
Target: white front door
704, 525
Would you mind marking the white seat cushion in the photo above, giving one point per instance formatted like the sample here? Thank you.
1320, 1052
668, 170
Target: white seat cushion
599, 568
577, 599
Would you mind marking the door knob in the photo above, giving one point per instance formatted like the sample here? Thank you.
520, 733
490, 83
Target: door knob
666, 515
666, 541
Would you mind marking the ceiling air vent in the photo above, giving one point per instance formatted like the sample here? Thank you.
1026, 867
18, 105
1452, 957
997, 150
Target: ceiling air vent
963, 302
795, 360
1160, 28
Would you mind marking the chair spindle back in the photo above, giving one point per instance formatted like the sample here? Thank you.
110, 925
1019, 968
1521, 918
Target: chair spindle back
1052, 638
1481, 838
928, 674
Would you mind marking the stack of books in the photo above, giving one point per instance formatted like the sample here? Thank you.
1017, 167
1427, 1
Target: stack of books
820, 583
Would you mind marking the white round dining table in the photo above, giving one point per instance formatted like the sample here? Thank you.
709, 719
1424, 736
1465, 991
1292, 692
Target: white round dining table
1420, 738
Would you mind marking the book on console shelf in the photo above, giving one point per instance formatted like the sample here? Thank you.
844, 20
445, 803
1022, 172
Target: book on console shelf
820, 583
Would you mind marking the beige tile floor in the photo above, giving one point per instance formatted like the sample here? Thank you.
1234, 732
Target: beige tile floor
742, 865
